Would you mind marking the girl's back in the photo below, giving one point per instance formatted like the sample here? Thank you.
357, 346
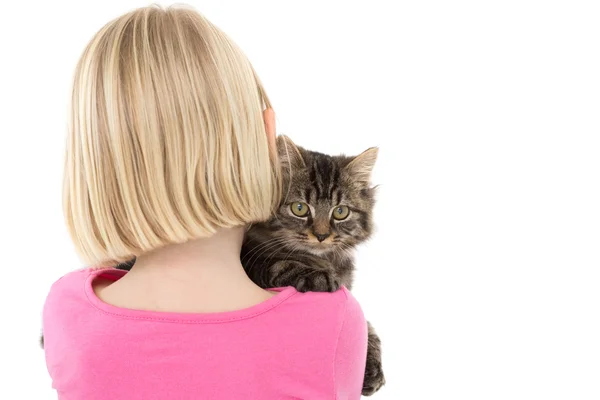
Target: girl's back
291, 346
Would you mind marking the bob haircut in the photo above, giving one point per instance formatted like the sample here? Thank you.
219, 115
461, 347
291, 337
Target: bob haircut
166, 139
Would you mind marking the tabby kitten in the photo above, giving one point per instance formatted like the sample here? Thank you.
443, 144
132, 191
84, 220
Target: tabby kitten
325, 212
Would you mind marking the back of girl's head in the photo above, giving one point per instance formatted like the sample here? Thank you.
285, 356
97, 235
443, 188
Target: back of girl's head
166, 140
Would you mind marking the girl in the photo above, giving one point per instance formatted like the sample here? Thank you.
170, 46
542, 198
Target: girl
170, 156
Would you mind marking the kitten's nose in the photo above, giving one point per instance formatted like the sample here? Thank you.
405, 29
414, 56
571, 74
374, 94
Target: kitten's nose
322, 237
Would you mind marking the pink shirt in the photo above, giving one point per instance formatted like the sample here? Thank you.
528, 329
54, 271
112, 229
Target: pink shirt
292, 346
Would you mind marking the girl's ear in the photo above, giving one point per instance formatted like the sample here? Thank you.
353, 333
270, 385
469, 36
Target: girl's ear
361, 166
269, 118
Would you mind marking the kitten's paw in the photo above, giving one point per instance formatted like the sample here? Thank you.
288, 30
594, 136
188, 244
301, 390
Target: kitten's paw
374, 378
304, 278
317, 281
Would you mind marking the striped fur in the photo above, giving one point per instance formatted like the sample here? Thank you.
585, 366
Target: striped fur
285, 251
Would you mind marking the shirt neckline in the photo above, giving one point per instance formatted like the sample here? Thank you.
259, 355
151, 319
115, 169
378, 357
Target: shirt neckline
178, 317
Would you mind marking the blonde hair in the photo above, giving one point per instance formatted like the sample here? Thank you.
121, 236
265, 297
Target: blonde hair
167, 141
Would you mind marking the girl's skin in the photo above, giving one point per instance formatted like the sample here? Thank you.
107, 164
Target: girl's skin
201, 275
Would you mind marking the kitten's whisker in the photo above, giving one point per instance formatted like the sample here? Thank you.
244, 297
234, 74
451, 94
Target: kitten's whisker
291, 251
294, 248
282, 242
345, 248
256, 256
258, 253
260, 246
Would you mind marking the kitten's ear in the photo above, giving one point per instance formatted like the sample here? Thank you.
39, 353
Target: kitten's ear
361, 166
290, 155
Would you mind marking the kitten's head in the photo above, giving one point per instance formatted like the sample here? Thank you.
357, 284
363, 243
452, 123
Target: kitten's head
327, 201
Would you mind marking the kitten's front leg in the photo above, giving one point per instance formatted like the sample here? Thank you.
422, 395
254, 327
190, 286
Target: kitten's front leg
374, 378
303, 277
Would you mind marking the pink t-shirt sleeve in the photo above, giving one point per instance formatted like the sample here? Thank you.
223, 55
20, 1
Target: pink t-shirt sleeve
351, 351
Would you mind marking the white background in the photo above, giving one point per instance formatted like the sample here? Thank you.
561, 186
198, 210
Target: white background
483, 279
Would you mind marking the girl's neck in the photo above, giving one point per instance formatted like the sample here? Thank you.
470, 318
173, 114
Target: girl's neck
210, 259
202, 275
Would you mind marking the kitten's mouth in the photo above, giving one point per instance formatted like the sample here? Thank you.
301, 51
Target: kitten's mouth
320, 244
317, 247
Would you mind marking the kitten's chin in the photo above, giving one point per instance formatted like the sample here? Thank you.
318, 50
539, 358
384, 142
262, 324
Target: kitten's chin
319, 250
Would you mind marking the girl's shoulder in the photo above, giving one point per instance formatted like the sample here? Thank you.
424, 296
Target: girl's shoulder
337, 308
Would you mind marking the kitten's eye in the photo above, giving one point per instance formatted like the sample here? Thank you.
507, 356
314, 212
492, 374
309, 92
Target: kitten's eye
299, 209
341, 212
